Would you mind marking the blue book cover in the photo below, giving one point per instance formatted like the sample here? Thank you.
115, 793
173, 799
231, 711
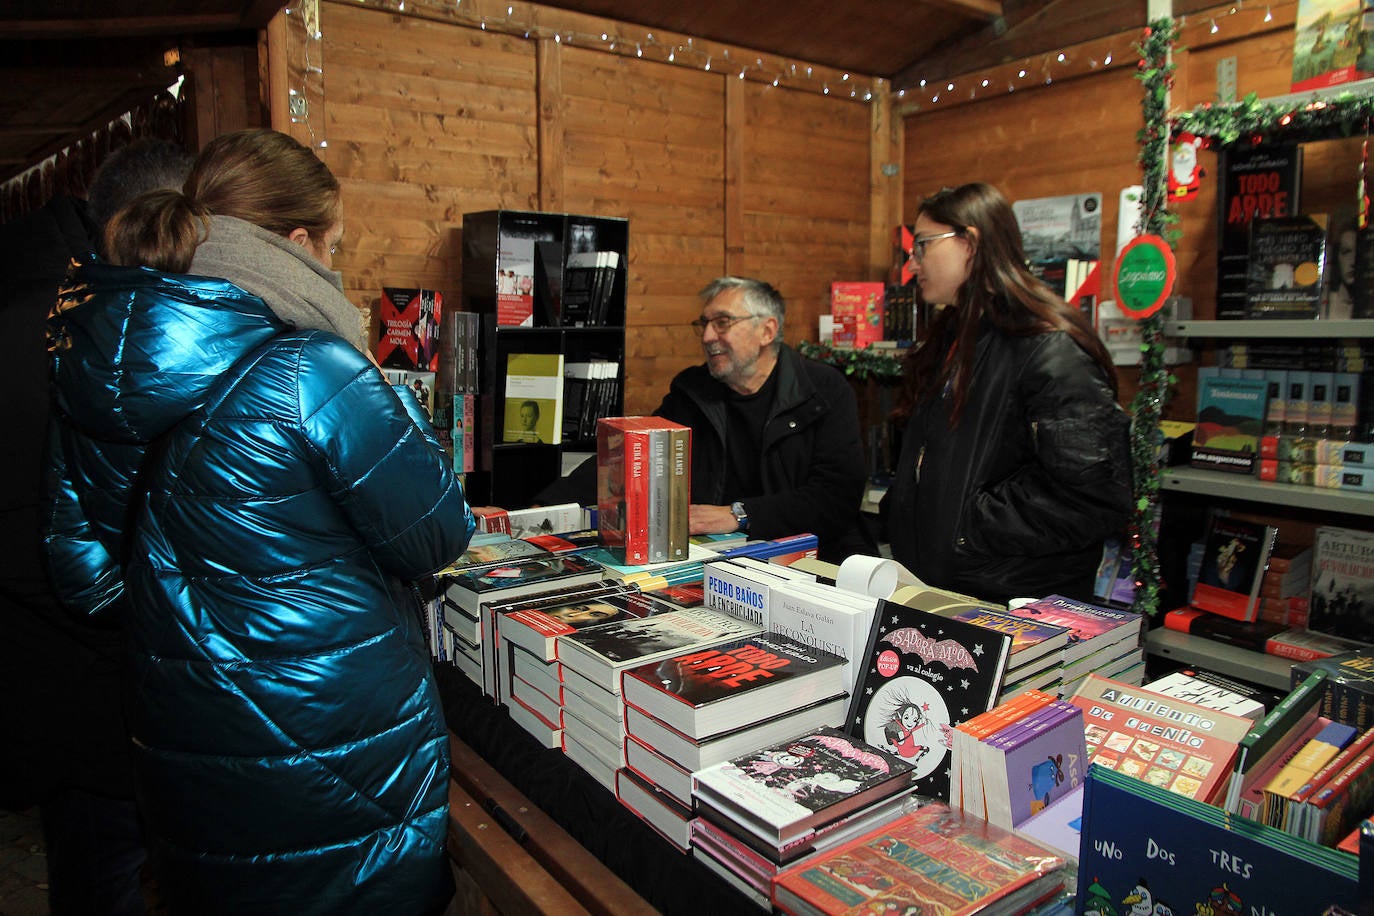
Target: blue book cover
1140, 841
1230, 422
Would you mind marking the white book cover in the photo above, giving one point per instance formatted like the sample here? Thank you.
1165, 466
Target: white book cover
731, 589
825, 617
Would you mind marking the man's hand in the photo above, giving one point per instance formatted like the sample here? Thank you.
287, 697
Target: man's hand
703, 519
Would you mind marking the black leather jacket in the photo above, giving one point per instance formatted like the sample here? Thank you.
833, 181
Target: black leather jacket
811, 464
1017, 500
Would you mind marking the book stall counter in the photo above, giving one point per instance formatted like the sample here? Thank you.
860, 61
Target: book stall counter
573, 833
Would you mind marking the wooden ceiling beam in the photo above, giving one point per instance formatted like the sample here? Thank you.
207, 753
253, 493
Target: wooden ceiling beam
180, 24
973, 9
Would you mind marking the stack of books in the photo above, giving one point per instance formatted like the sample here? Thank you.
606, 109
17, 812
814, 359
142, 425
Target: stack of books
1037, 647
1030, 760
739, 694
1349, 690
1105, 641
592, 660
766, 809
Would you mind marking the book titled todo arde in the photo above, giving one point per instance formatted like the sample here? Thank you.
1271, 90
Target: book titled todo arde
1230, 422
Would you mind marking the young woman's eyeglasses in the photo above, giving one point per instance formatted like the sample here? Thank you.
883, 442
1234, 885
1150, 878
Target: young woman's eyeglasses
720, 323
919, 244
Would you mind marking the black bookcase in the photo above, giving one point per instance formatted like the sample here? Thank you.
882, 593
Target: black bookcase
515, 268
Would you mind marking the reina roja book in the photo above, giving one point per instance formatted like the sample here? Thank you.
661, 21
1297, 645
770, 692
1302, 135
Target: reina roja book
789, 789
920, 675
1160, 847
1168, 742
728, 686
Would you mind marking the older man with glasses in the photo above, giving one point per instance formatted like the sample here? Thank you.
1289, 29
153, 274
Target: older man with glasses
775, 436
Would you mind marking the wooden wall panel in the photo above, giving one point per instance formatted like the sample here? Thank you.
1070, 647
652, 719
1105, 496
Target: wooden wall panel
805, 198
425, 121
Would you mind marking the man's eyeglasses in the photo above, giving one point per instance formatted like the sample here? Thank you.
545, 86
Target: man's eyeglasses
918, 244
720, 323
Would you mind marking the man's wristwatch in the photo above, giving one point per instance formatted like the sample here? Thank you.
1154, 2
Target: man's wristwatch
741, 516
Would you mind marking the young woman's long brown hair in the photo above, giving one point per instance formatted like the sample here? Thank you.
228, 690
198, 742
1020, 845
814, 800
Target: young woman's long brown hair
1000, 290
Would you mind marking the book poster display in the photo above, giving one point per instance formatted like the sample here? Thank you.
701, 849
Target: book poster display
922, 675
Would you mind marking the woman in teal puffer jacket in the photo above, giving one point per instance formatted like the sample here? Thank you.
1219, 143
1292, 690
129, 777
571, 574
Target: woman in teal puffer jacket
289, 748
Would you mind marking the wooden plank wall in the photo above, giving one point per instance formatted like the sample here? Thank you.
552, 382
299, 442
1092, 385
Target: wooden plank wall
425, 119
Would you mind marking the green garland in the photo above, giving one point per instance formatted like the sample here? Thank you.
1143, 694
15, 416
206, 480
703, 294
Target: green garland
1156, 73
1293, 121
865, 364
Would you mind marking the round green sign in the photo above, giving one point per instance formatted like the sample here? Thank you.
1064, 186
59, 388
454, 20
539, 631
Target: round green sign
1145, 274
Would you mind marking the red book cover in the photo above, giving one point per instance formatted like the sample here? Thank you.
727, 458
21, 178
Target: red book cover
622, 486
933, 860
1234, 557
410, 329
857, 309
1160, 739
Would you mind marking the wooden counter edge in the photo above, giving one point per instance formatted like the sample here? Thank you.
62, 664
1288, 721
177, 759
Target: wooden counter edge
583, 876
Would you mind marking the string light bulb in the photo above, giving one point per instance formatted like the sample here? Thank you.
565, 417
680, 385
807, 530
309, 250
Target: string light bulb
1215, 28
1268, 14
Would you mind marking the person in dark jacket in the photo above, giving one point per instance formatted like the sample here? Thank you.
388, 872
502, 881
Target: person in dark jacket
1015, 459
775, 436
67, 748
234, 476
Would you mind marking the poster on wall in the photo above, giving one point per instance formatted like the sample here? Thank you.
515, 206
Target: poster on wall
1061, 227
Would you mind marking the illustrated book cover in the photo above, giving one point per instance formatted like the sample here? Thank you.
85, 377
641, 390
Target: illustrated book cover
1144, 842
933, 860
1230, 423
725, 687
410, 320
1235, 554
1349, 686
790, 788
1030, 764
533, 398
600, 653
920, 675
1342, 601
1091, 627
1288, 266
1167, 742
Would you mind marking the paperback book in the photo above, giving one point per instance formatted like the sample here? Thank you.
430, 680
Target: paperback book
513, 580
536, 624
1257, 181
533, 398
920, 675
1287, 266
1230, 423
1031, 763
1091, 627
1235, 555
1343, 583
1349, 687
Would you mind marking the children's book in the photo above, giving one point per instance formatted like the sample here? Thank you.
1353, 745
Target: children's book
1031, 763
1230, 423
934, 860
1167, 742
921, 675
708, 691
789, 789
1142, 841
1235, 554
1090, 627
1031, 639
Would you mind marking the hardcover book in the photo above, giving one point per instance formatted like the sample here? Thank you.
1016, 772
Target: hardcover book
1287, 265
1173, 744
1255, 181
789, 789
669, 817
1235, 554
1142, 841
535, 625
1214, 691
734, 590
622, 486
602, 652
719, 689
1230, 423
920, 675
1349, 685
1343, 583
825, 616
933, 860
1264, 743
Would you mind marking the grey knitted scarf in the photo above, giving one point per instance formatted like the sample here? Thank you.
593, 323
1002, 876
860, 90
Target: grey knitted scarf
298, 288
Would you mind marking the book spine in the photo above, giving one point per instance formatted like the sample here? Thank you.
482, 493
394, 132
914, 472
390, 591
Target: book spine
636, 497
658, 486
679, 492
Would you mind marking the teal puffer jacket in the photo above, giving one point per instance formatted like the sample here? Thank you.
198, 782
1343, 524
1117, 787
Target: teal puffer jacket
289, 748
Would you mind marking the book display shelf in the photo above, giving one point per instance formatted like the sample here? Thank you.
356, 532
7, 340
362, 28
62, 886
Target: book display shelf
550, 290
